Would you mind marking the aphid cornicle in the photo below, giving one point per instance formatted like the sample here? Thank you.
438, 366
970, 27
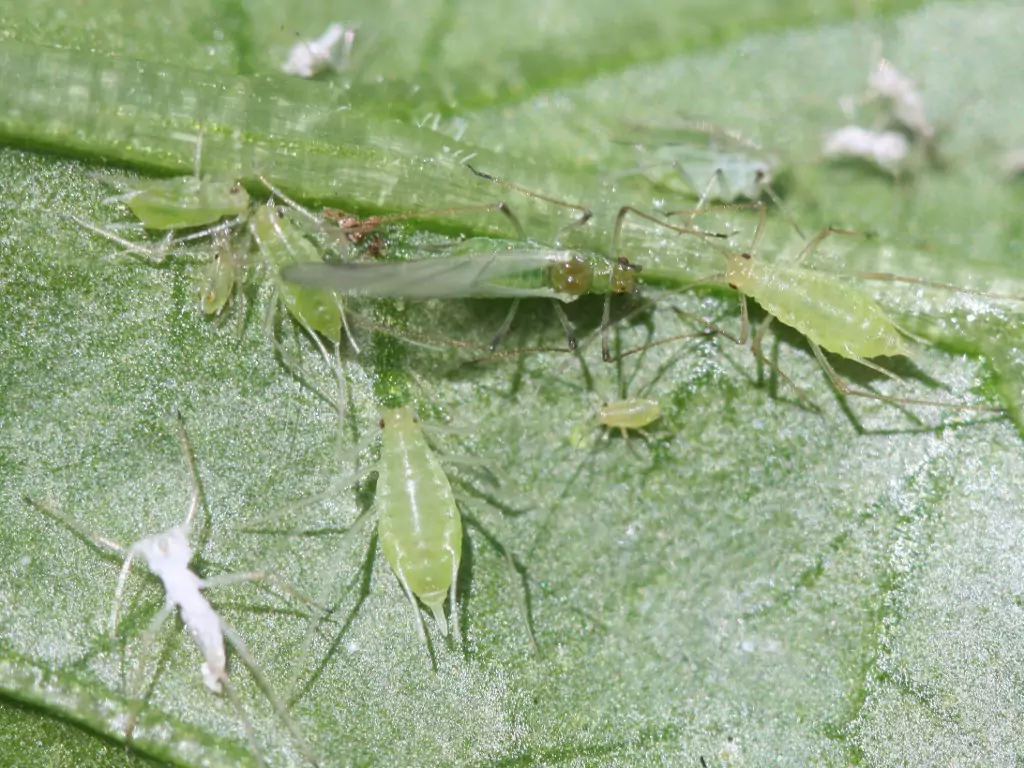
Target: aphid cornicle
417, 517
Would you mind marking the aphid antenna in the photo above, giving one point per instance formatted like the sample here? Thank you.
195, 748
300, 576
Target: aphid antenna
586, 214
159, 253
622, 263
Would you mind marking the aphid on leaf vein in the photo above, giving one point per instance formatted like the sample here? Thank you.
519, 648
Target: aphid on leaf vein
167, 555
488, 268
830, 312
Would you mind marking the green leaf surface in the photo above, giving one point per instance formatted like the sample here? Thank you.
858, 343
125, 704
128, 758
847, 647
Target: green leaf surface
753, 584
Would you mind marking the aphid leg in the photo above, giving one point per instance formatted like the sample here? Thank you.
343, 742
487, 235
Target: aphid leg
138, 673
239, 647
101, 543
845, 389
513, 572
616, 236
155, 254
453, 601
505, 325
250, 732
570, 332
324, 599
758, 352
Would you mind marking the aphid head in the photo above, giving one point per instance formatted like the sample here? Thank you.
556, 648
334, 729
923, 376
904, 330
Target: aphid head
396, 418
168, 550
624, 276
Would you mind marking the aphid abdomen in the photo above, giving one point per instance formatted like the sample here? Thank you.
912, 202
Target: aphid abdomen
282, 243
204, 626
187, 202
631, 413
418, 521
827, 310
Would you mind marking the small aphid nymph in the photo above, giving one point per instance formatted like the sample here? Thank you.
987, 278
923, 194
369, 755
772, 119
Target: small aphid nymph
631, 413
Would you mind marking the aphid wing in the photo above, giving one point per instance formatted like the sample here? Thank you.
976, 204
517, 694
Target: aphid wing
442, 278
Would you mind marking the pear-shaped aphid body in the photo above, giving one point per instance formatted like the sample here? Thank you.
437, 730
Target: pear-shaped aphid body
418, 520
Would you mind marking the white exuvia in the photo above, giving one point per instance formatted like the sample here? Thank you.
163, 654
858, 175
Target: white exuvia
886, 149
308, 58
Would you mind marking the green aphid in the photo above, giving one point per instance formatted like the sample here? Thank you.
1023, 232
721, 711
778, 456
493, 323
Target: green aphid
185, 202
283, 244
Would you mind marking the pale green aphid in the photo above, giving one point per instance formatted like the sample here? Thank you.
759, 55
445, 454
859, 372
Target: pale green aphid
221, 277
282, 244
417, 518
631, 413
183, 202
701, 158
830, 312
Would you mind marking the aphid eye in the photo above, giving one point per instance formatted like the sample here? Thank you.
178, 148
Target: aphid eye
280, 212
382, 423
746, 256
733, 286
235, 188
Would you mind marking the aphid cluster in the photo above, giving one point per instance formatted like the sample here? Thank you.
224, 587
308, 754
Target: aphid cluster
312, 267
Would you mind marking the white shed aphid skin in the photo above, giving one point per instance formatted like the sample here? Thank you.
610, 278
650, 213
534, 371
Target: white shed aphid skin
167, 555
332, 50
888, 150
900, 94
